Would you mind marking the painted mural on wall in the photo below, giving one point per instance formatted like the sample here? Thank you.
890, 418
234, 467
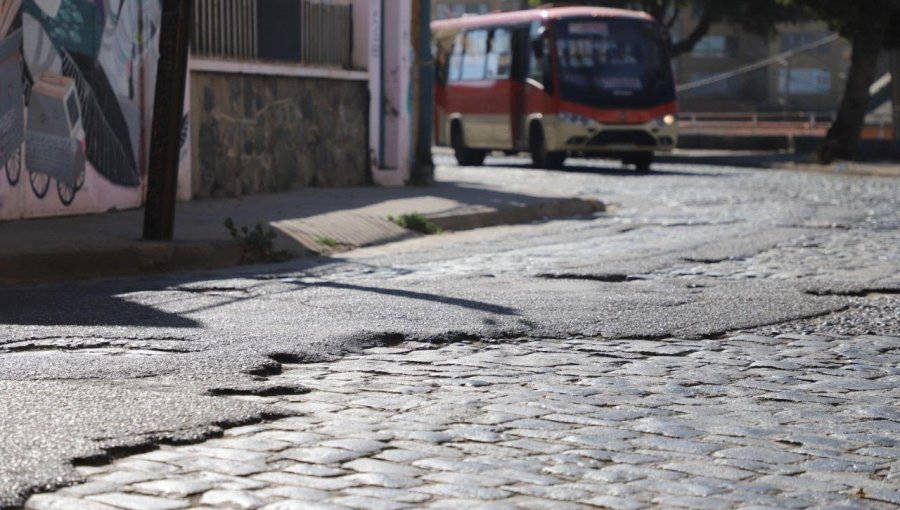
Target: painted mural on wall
76, 88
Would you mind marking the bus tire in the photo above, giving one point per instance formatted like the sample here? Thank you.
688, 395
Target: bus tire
540, 156
465, 156
643, 161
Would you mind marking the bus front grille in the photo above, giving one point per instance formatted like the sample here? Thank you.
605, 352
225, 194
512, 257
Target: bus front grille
623, 137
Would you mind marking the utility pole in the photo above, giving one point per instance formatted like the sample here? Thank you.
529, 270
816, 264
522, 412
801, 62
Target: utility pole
168, 110
895, 93
422, 171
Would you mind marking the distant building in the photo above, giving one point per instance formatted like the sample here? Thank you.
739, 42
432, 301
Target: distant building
809, 81
443, 9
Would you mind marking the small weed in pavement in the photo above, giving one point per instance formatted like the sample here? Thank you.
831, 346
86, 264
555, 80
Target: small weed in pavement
257, 243
328, 242
416, 222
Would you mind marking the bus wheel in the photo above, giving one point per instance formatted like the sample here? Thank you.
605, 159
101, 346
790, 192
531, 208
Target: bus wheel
465, 156
642, 161
540, 156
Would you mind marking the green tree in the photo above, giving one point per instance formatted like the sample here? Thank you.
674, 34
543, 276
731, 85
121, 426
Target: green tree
754, 16
871, 26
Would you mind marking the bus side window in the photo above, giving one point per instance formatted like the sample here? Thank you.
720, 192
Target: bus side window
499, 57
456, 56
539, 68
473, 67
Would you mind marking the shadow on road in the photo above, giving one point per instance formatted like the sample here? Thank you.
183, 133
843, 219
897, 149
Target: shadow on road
437, 298
608, 167
75, 305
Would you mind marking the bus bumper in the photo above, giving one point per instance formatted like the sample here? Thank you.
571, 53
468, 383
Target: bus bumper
595, 138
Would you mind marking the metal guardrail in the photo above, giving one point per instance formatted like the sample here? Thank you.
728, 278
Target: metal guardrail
313, 32
762, 123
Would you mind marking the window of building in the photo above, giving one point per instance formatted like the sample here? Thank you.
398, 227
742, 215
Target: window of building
716, 46
792, 40
809, 81
474, 55
724, 87
499, 55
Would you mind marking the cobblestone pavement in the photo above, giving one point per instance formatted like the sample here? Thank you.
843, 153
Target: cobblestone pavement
749, 421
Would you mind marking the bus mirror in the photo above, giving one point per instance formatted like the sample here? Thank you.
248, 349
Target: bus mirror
537, 47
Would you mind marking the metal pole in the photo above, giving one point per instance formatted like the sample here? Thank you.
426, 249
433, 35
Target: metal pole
895, 93
423, 166
168, 110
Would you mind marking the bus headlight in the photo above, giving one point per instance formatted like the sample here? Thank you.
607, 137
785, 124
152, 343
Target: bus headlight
665, 121
574, 118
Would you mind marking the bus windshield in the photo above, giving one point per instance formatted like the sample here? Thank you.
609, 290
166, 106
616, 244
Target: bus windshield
613, 63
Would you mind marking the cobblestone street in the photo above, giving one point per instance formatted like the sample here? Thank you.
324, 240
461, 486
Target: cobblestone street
748, 421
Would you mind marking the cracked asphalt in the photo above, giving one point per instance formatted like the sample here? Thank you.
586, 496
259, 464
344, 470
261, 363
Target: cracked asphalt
687, 255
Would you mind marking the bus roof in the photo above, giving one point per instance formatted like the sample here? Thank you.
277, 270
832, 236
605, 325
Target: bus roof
527, 16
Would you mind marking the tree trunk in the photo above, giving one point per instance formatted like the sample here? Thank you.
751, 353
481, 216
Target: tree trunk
843, 137
687, 44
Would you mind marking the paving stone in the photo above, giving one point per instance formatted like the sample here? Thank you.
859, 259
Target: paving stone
147, 466
222, 466
382, 467
401, 495
304, 505
175, 488
87, 489
255, 443
424, 435
312, 482
546, 424
60, 502
301, 468
480, 479
227, 482
137, 502
760, 455
231, 499
616, 503
462, 491
232, 454
369, 503
119, 478
400, 455
391, 481
460, 466
363, 446
708, 469
294, 493
473, 504
321, 455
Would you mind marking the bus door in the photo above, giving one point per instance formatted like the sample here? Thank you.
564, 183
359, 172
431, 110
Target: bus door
521, 44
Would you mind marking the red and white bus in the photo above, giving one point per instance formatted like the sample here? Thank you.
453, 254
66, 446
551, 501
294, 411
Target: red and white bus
554, 82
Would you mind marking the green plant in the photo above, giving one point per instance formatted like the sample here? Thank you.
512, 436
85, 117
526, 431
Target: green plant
257, 243
327, 242
417, 222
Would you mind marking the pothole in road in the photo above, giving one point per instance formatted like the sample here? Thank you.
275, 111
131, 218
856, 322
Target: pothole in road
866, 293
606, 278
97, 346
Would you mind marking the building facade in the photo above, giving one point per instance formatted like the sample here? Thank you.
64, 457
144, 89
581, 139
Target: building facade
803, 68
281, 94
444, 9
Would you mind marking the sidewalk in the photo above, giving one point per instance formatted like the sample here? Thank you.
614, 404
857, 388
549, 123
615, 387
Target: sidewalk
778, 160
308, 221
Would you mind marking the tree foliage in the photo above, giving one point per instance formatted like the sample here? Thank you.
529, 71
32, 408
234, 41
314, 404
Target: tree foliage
871, 26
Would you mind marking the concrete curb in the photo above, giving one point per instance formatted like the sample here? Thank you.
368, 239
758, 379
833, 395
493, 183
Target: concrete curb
135, 258
120, 259
518, 214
